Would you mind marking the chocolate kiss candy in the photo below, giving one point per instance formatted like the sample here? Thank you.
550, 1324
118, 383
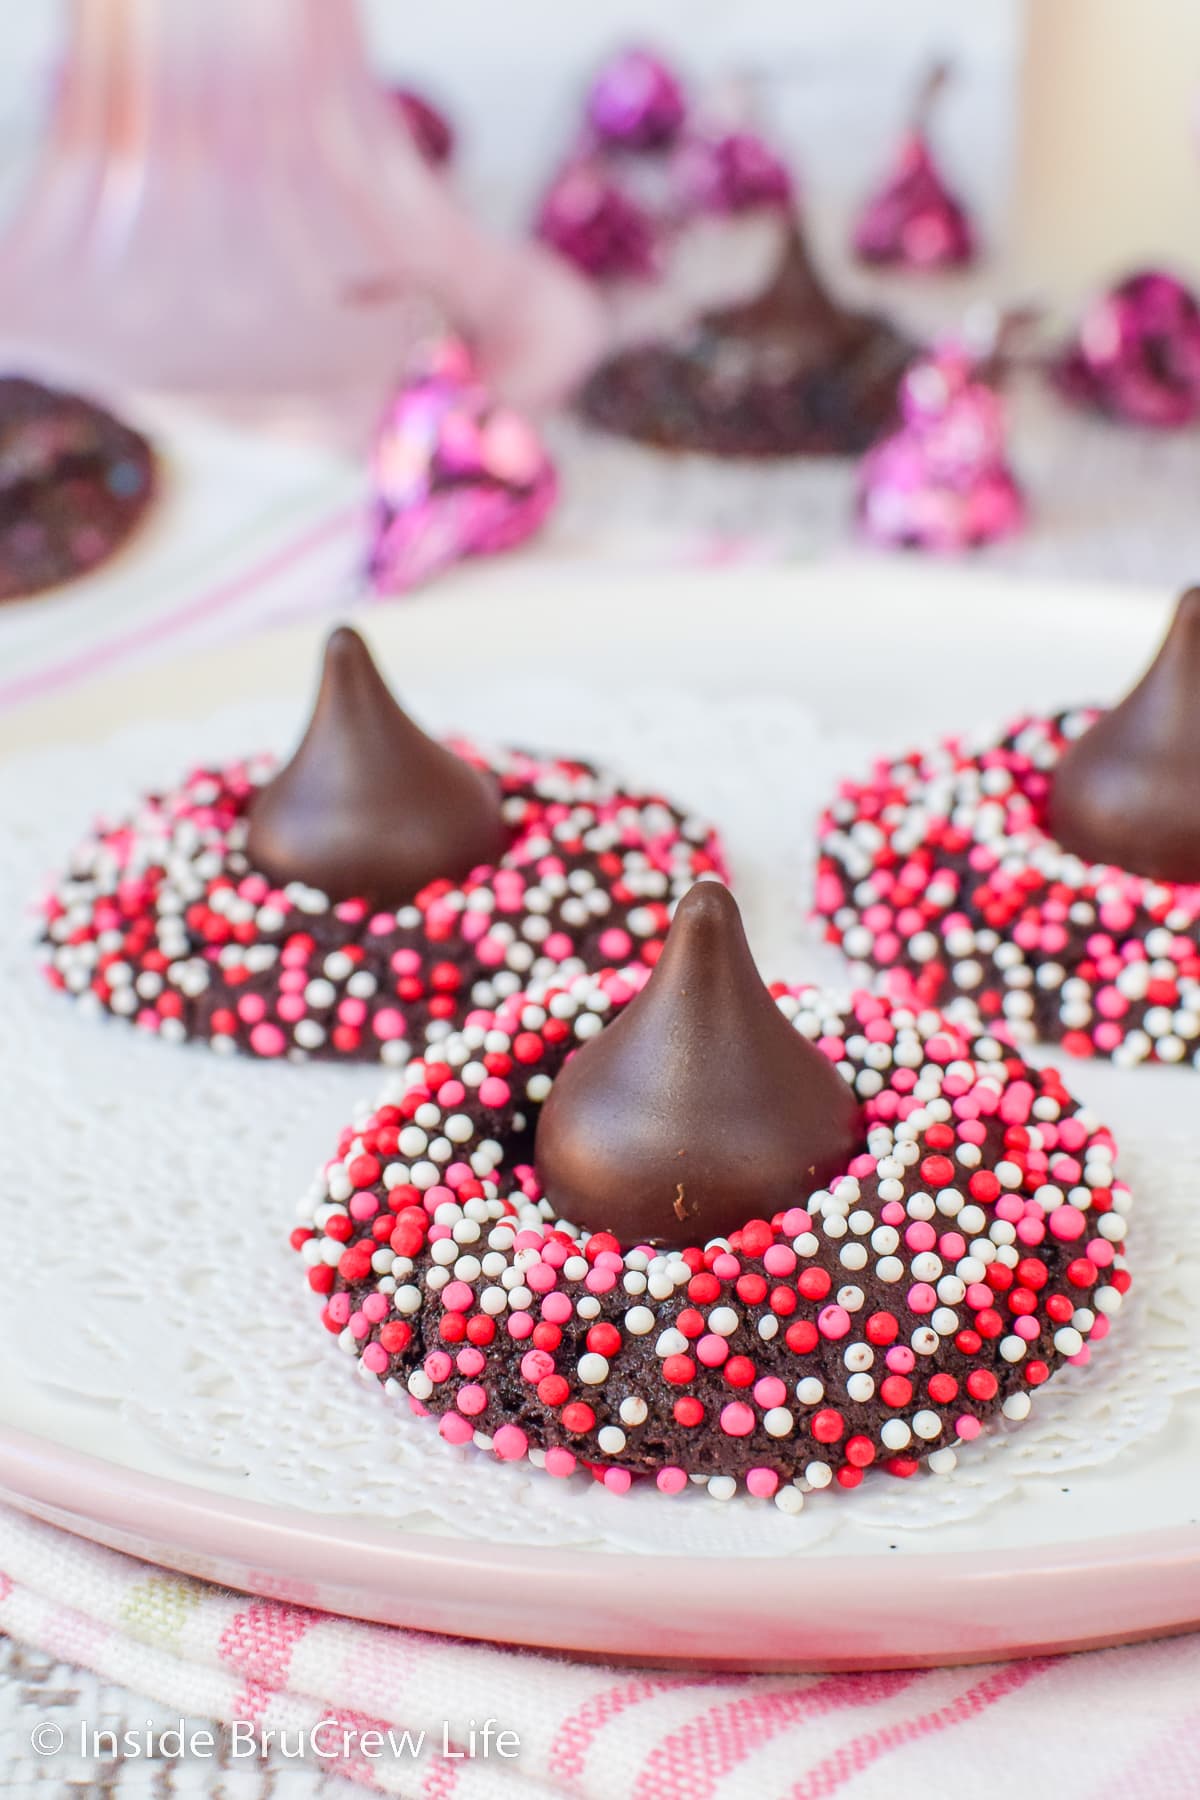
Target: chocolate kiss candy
794, 311
369, 807
700, 1107
1128, 791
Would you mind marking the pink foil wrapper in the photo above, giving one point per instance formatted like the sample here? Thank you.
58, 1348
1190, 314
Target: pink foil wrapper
589, 216
914, 220
731, 172
455, 474
1136, 355
941, 481
429, 128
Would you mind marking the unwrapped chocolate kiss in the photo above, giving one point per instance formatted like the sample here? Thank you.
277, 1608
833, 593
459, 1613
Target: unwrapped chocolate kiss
369, 806
701, 1107
1128, 791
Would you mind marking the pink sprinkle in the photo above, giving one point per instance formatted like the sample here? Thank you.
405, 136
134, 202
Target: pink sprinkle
833, 1321
457, 1297
455, 1429
470, 1360
1067, 1222
762, 1482
921, 1297
726, 1267
780, 1259
539, 1277
617, 1481
388, 1024
557, 1308
363, 1206
520, 1325
536, 1365
375, 1358
737, 1419
375, 1307
712, 1350
510, 1443
472, 1400
900, 1359
670, 1480
267, 1040
769, 1391
967, 1427
920, 1235
796, 1221
560, 1462
438, 1366
494, 1092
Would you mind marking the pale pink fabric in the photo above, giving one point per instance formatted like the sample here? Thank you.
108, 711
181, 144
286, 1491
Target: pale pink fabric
1112, 1725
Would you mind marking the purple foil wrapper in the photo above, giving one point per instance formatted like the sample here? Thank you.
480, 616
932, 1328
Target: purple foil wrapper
455, 474
636, 102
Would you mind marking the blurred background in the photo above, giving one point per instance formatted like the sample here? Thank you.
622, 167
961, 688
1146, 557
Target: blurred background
511, 77
262, 216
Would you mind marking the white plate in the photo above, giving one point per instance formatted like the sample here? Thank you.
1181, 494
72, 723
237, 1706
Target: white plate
899, 653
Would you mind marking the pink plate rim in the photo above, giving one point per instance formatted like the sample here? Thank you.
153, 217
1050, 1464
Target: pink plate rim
792, 1613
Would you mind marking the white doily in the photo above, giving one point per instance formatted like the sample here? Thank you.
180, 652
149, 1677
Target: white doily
146, 1191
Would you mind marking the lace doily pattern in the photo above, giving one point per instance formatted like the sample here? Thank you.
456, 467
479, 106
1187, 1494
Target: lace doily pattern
939, 870
162, 920
970, 1248
166, 1184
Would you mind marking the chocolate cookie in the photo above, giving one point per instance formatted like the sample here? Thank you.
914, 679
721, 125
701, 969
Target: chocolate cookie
377, 883
74, 484
969, 1244
787, 373
1051, 877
